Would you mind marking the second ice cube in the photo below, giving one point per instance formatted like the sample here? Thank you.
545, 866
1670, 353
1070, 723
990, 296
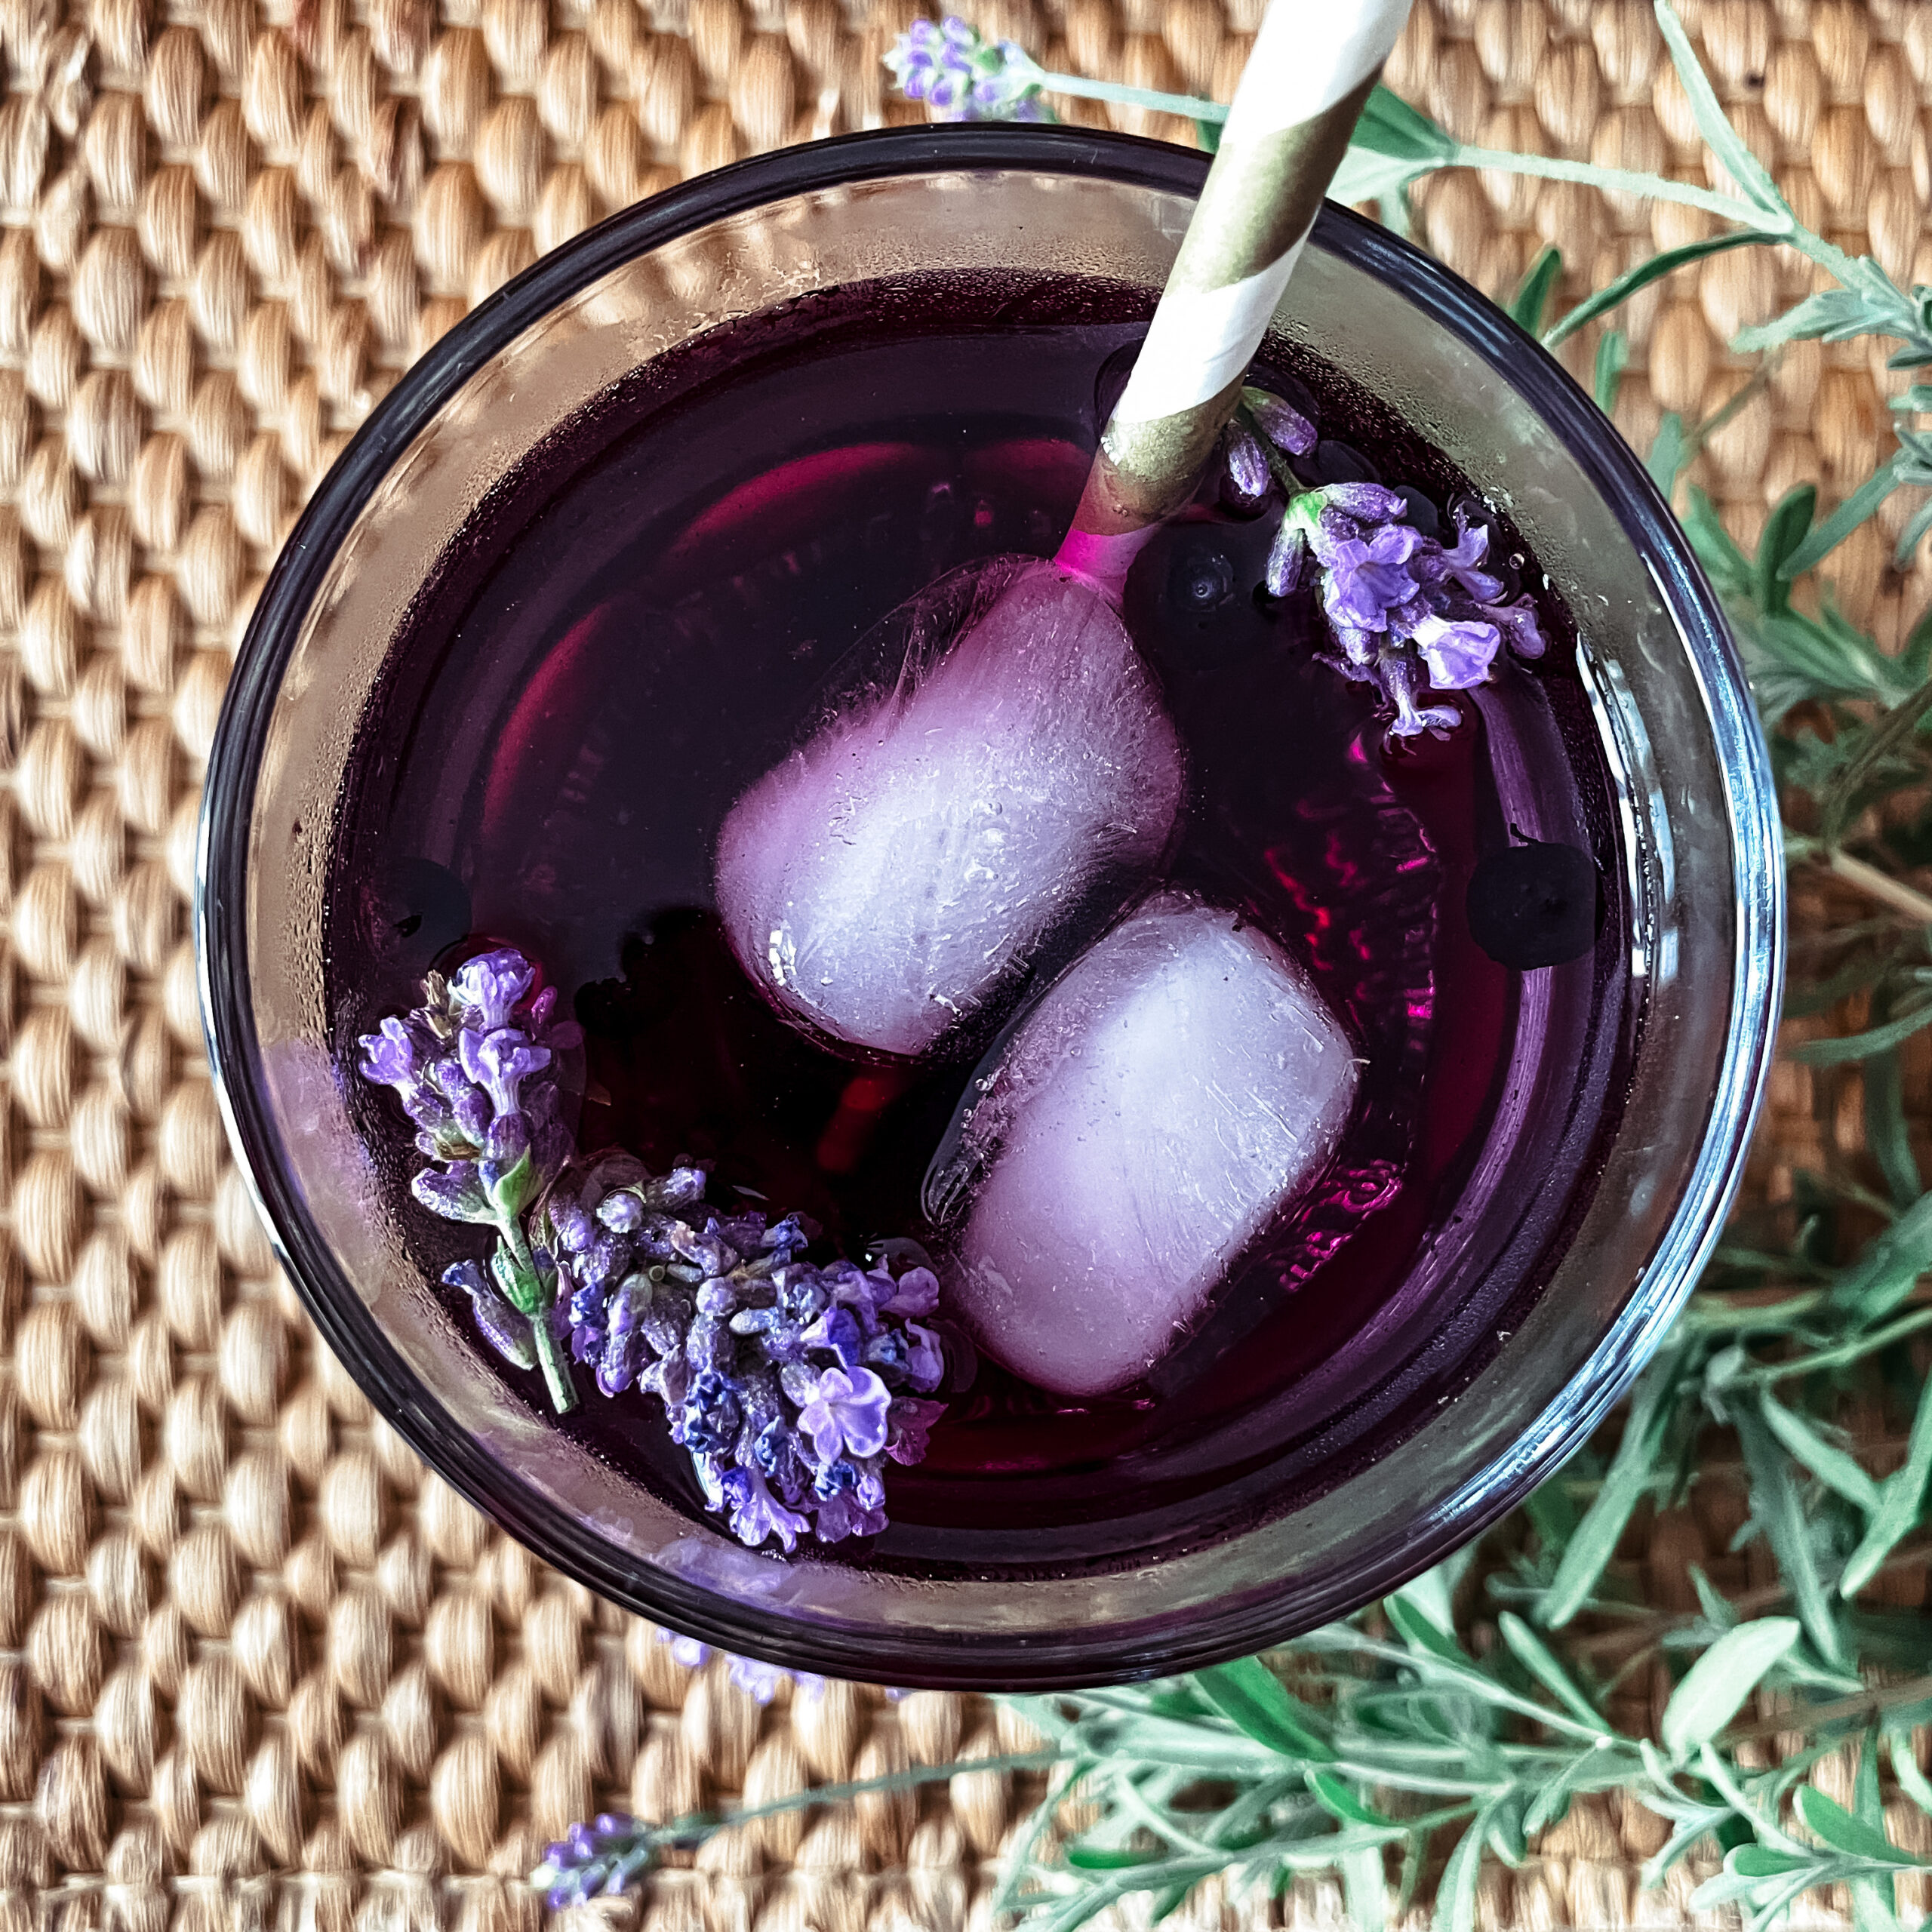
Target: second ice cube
885, 880
1173, 1092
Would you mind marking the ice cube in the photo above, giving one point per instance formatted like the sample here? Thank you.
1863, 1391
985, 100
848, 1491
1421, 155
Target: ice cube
883, 881
1179, 1086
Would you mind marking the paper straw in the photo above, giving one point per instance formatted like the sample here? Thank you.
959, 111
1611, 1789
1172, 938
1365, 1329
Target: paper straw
1313, 64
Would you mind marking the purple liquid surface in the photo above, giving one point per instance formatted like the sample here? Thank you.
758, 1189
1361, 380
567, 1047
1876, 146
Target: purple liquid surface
633, 630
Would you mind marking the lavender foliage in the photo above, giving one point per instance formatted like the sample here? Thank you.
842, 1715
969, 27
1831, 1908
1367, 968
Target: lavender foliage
791, 1386
962, 76
1411, 614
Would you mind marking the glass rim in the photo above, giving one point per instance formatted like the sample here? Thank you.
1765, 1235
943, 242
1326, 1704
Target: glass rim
344, 1321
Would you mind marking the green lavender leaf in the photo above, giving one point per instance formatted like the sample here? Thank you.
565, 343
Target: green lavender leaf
1527, 306
1760, 1861
1785, 529
1653, 268
1251, 1696
1669, 454
1607, 378
1860, 1046
1715, 1687
1537, 1657
1336, 1798
1887, 1133
1392, 144
1901, 1497
1887, 1271
1832, 315
1723, 139
1365, 1889
512, 1188
1831, 1465
1455, 1891
1863, 502
1826, 1819
1633, 1476
1776, 1508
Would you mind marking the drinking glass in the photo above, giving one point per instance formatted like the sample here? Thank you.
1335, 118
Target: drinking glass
1465, 1424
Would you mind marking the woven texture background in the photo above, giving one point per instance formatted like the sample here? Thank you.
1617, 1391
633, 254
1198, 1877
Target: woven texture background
255, 1664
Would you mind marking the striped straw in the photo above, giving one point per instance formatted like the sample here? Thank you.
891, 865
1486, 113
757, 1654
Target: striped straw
1312, 66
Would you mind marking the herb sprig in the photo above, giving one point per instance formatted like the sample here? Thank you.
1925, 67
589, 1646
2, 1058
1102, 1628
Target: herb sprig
1463, 1714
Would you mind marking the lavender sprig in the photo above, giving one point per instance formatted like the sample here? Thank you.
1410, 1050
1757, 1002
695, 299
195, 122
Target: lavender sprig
961, 75
1410, 613
475, 1068
790, 1387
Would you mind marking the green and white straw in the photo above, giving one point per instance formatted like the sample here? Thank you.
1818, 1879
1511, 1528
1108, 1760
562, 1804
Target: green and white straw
1313, 64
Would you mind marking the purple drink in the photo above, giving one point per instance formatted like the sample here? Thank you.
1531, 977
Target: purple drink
638, 623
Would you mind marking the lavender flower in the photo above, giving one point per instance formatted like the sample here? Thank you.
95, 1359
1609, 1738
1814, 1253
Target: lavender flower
962, 76
1407, 611
490, 986
1458, 652
599, 1859
847, 1412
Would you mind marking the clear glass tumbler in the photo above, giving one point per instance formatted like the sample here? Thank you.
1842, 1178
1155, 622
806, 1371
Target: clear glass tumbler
1470, 1421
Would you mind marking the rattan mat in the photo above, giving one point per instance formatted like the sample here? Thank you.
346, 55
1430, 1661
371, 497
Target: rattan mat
256, 1666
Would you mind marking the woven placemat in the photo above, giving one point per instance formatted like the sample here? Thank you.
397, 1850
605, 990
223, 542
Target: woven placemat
255, 1664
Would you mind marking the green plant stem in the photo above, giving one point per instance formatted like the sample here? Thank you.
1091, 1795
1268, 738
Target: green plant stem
555, 1364
1881, 886
1121, 95
1834, 1358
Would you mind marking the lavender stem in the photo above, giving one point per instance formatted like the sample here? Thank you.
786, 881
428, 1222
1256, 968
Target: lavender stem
555, 1365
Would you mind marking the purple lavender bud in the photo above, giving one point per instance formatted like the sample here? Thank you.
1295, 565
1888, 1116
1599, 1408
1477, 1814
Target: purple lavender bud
550, 1148
507, 1139
925, 1359
709, 1344
587, 1303
455, 1195
624, 1344
489, 985
1247, 465
709, 1250
1369, 501
681, 1187
908, 1423
688, 1651
1518, 622
425, 1107
916, 1292
787, 1237
802, 1294
1458, 652
842, 1516
576, 1230
505, 1331
847, 1412
471, 1111
394, 1055
500, 1062
1285, 557
607, 1260
1286, 428
622, 1214
837, 1477
836, 1330
756, 1514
